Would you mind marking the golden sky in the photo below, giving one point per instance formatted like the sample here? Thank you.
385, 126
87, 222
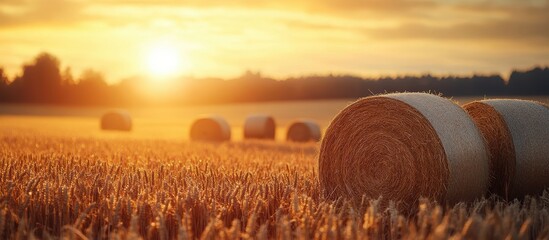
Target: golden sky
223, 38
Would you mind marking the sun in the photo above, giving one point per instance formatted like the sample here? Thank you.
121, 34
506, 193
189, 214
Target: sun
164, 60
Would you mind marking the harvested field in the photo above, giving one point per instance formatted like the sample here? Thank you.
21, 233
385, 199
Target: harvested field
164, 189
63, 177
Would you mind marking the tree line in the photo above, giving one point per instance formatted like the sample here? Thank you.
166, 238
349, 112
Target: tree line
42, 81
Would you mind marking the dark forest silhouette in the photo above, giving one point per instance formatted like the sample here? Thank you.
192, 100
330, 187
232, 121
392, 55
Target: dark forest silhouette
42, 81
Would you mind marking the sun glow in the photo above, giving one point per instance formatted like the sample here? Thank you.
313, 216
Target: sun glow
165, 60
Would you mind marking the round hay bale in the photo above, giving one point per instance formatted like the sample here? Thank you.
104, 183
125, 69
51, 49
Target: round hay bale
116, 120
304, 131
517, 136
211, 128
259, 127
403, 147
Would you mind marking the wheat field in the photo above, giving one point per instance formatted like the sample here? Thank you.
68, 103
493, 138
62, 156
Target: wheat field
93, 188
64, 178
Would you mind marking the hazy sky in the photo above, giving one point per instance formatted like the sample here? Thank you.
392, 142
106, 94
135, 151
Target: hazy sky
279, 38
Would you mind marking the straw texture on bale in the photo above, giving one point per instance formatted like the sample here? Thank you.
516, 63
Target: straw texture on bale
304, 131
211, 128
403, 147
517, 135
259, 127
116, 120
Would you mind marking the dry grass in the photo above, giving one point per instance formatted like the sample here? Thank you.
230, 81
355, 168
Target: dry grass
58, 186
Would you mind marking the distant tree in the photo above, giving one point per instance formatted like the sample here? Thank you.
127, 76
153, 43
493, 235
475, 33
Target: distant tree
40, 81
67, 78
43, 73
92, 88
127, 91
249, 75
531, 82
92, 79
3, 85
3, 78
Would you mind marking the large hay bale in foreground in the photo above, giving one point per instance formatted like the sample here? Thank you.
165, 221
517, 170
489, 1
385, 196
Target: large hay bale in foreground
403, 147
211, 128
259, 126
116, 120
517, 135
304, 131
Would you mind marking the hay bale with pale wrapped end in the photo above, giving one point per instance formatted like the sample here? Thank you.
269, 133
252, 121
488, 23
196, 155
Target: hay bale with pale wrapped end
259, 126
403, 147
304, 131
517, 136
118, 120
210, 128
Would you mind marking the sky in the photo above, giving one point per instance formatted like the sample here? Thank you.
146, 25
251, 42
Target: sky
282, 38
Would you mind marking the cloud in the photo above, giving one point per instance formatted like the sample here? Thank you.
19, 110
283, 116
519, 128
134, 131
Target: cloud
43, 12
373, 6
377, 19
352, 5
501, 30
281, 37
342, 8
503, 23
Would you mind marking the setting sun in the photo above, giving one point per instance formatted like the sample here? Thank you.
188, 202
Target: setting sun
164, 60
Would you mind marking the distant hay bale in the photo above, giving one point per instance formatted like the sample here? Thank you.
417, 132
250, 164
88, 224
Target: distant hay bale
517, 135
211, 128
403, 147
304, 131
259, 127
116, 120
